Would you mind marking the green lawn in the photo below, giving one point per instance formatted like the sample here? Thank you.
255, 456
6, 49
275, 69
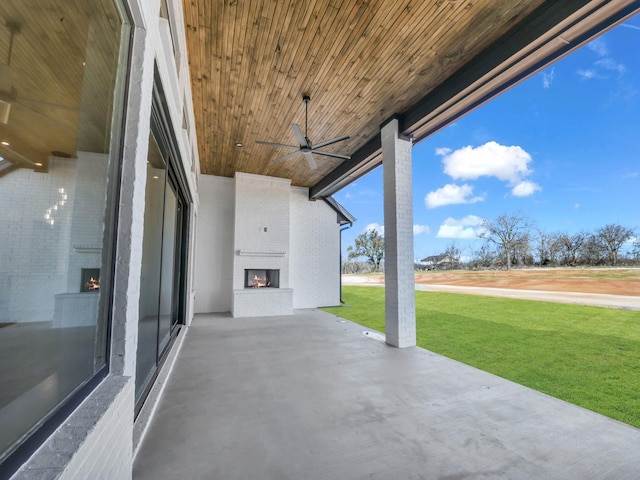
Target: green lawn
588, 356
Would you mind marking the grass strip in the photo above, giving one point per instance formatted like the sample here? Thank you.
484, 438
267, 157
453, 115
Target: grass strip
589, 356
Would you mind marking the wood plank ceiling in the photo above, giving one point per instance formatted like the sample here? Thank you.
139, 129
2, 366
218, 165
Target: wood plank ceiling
59, 55
360, 61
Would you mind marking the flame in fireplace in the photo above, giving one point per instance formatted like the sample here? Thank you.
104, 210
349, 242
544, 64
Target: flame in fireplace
261, 278
93, 284
259, 282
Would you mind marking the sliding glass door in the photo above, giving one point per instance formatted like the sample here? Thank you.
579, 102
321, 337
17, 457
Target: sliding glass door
162, 268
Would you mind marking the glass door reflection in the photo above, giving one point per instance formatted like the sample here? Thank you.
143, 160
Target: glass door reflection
161, 273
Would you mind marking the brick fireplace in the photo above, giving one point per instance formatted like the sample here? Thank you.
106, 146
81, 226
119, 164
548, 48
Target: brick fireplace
261, 247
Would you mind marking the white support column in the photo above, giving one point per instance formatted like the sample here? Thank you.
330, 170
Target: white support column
400, 310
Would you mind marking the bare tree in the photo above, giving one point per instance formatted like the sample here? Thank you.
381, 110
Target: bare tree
547, 248
370, 245
592, 251
570, 246
636, 249
555, 249
510, 233
613, 237
349, 266
485, 257
522, 253
454, 254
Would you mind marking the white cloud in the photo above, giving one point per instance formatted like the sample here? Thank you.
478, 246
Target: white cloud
442, 151
374, 226
604, 63
628, 25
610, 64
525, 188
418, 229
599, 47
630, 175
468, 227
576, 206
547, 78
508, 163
587, 74
451, 194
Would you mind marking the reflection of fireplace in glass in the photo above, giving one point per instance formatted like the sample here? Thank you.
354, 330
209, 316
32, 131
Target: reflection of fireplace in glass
261, 278
90, 280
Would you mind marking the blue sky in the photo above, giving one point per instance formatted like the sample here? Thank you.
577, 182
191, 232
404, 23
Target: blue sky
561, 148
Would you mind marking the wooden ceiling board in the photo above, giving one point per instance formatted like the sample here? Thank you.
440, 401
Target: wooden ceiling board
361, 62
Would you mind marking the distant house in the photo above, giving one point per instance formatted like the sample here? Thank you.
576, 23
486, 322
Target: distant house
437, 262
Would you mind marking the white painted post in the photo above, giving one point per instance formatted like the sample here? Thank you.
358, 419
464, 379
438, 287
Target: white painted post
400, 310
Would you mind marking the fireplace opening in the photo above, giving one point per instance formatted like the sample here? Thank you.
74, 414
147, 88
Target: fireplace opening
90, 280
261, 278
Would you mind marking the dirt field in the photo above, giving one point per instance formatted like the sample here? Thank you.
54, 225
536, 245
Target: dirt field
618, 281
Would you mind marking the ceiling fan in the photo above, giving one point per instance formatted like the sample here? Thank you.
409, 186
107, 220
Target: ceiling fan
306, 148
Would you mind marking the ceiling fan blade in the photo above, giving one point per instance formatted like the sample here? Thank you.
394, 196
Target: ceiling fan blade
312, 162
301, 138
329, 142
334, 155
284, 157
281, 145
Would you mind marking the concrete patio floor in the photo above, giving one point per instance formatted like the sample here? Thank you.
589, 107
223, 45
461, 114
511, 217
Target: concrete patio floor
309, 396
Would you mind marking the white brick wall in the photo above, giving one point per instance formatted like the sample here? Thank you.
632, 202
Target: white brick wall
315, 252
302, 236
57, 222
261, 228
400, 316
34, 259
94, 442
262, 302
261, 225
87, 223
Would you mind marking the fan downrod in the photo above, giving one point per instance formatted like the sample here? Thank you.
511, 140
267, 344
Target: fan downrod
306, 99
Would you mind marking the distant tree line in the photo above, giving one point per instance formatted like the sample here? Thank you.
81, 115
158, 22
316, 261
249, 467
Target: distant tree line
513, 240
